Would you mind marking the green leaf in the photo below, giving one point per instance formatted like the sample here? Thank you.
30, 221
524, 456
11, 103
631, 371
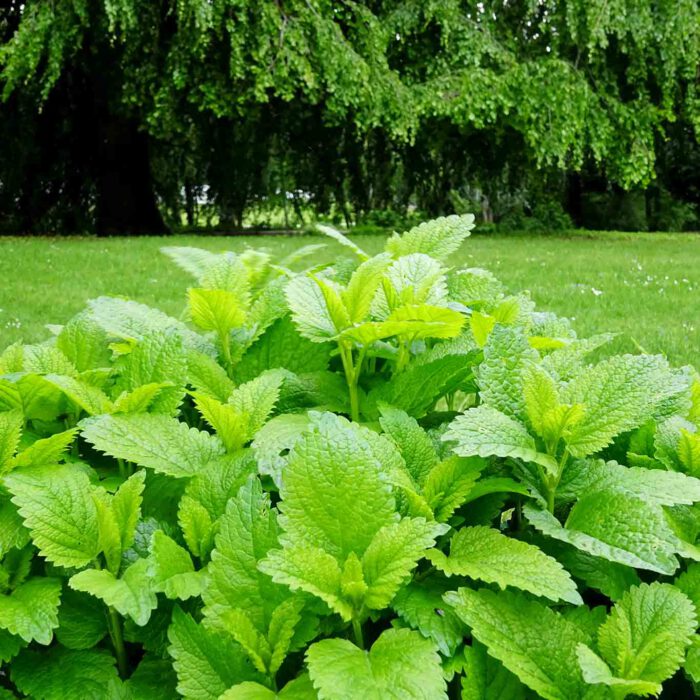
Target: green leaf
57, 506
342, 239
363, 285
206, 662
392, 555
618, 395
155, 441
535, 643
130, 595
171, 570
82, 622
647, 632
298, 689
10, 433
507, 356
208, 377
47, 450
596, 672
401, 665
615, 527
486, 432
196, 261
129, 319
485, 554
330, 461
309, 309
89, 398
159, 358
216, 309
58, 673
275, 440
84, 343
413, 442
421, 606
247, 532
309, 569
197, 525
417, 321
31, 610
420, 385
450, 484
485, 678
281, 346
438, 238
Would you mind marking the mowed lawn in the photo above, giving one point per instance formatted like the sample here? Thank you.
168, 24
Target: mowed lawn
646, 287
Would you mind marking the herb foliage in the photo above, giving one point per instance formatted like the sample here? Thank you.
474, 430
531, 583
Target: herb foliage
385, 478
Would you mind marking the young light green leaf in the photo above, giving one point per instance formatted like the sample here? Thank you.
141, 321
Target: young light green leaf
298, 689
87, 397
438, 238
10, 433
450, 483
47, 450
401, 665
216, 310
309, 309
171, 569
131, 595
507, 356
485, 554
331, 460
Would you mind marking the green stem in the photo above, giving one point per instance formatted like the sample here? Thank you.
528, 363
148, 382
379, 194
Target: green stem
357, 631
115, 634
225, 339
352, 374
122, 467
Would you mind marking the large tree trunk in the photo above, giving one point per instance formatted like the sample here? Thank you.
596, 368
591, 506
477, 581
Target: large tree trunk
126, 203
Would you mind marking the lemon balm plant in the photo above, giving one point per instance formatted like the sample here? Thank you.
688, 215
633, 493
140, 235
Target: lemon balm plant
382, 478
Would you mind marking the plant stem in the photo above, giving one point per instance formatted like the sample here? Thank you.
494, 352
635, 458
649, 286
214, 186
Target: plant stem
357, 630
352, 375
115, 634
225, 339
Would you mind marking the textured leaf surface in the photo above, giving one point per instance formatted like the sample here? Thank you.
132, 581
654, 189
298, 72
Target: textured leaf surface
171, 569
420, 605
647, 632
439, 238
485, 554
328, 463
535, 643
57, 506
507, 355
392, 555
485, 678
247, 531
620, 529
206, 662
130, 595
61, 673
618, 394
486, 432
31, 610
154, 441
401, 665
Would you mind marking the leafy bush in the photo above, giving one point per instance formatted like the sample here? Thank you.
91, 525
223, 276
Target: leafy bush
381, 479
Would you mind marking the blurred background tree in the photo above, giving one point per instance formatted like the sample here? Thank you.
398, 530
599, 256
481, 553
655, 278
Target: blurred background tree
141, 116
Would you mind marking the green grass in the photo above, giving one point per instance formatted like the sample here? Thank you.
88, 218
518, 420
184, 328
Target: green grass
644, 286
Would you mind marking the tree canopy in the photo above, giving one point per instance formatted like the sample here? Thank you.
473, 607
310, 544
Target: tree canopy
127, 115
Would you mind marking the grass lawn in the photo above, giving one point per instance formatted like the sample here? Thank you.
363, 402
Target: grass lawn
644, 286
